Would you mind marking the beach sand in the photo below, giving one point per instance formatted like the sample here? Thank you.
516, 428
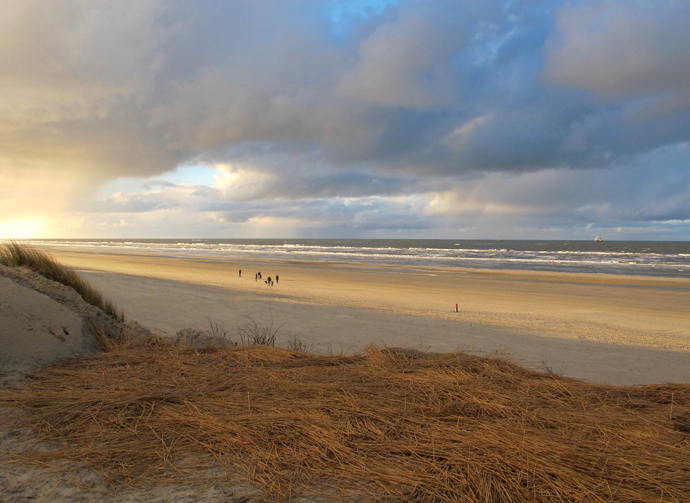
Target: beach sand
608, 329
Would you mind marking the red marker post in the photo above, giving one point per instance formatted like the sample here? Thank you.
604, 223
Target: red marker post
456, 308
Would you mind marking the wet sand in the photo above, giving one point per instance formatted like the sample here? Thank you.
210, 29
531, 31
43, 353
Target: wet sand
605, 329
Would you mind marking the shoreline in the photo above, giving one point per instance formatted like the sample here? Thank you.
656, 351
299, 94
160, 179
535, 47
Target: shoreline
602, 328
523, 274
643, 259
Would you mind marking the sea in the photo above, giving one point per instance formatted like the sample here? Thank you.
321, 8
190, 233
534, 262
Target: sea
641, 258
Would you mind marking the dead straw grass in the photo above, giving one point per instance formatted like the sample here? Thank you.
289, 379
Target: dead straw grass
383, 426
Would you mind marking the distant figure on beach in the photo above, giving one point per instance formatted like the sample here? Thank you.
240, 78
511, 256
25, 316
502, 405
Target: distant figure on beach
269, 281
256, 277
259, 274
277, 278
240, 273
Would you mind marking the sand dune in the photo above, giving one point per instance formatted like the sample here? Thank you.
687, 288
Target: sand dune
42, 321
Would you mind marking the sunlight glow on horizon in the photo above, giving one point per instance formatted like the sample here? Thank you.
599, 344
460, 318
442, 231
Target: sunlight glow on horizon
27, 228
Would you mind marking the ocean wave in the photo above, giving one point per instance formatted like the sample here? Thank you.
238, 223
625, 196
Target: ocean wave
532, 256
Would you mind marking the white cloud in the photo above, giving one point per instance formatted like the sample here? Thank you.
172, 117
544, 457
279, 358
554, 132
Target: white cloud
238, 184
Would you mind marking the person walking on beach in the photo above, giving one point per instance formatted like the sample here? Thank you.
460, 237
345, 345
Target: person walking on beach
277, 277
256, 277
240, 273
269, 281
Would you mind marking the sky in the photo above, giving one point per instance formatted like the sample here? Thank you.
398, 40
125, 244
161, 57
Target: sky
474, 119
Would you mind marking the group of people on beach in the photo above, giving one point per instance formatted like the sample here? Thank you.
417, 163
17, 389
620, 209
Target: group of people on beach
257, 277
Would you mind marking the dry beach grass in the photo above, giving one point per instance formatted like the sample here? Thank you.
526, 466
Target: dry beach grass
16, 254
388, 425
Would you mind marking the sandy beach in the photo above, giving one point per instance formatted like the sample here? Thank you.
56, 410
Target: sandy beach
138, 418
608, 329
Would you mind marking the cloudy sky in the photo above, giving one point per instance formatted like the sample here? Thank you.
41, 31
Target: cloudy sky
345, 118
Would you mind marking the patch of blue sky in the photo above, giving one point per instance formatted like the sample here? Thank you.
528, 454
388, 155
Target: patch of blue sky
191, 175
343, 14
183, 175
486, 44
520, 31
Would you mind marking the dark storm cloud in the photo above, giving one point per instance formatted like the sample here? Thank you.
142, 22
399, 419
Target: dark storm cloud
284, 172
428, 87
655, 188
301, 101
296, 185
621, 48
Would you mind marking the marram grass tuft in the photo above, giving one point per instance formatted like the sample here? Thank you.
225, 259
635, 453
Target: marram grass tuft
14, 254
